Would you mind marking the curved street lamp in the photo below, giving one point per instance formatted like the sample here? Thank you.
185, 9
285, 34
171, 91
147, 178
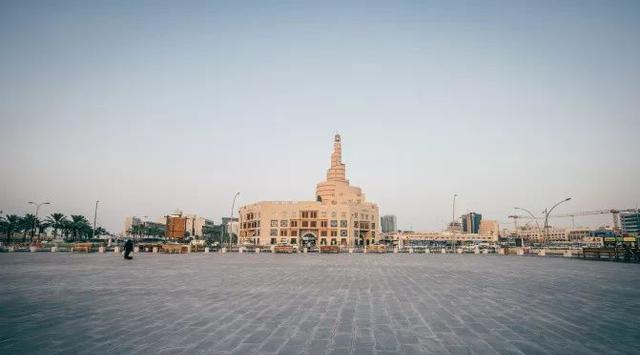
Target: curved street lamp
546, 217
535, 219
231, 218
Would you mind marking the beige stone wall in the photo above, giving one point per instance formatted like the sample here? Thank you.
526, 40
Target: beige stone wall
489, 227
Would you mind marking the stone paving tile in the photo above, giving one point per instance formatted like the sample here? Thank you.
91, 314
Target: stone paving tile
316, 304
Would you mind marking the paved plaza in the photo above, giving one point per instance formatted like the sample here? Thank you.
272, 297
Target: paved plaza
317, 304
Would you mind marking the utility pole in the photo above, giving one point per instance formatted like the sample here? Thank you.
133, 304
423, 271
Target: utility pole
453, 225
95, 218
33, 230
515, 225
535, 219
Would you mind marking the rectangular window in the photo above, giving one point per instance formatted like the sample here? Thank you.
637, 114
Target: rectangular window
274, 232
343, 241
294, 233
323, 233
334, 233
294, 223
305, 224
283, 232
283, 223
294, 241
343, 223
343, 233
312, 224
334, 241
334, 223
273, 241
323, 224
274, 223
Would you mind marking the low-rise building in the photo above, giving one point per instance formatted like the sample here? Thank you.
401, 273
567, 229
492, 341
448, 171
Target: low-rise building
426, 238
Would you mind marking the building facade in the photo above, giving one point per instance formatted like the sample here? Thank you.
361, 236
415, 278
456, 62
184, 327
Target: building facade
389, 224
489, 227
630, 223
176, 226
428, 238
340, 215
471, 222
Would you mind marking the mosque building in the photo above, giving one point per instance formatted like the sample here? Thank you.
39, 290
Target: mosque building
340, 215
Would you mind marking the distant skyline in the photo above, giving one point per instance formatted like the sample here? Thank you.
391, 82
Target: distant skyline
149, 106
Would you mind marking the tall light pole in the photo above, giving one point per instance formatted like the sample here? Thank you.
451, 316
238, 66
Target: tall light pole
535, 219
36, 218
95, 217
233, 204
546, 218
453, 225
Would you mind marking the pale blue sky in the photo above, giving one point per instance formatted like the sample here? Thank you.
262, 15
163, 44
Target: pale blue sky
152, 106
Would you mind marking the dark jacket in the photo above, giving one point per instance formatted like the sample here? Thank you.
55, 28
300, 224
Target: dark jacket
128, 246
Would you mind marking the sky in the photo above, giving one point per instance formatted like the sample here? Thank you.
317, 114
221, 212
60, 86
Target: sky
150, 106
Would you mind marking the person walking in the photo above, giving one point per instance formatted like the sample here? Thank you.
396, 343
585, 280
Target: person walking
128, 249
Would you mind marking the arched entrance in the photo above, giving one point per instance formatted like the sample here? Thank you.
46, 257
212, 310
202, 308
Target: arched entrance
309, 240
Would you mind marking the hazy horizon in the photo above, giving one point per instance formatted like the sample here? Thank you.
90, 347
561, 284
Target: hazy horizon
151, 106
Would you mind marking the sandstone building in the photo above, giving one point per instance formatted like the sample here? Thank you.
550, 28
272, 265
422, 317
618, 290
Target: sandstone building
340, 215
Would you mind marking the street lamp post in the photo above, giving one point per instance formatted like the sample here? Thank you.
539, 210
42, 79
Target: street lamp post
95, 217
546, 218
535, 219
233, 204
36, 217
453, 225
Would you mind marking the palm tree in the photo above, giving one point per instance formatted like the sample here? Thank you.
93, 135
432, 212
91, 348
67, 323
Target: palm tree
80, 226
42, 227
10, 223
100, 231
27, 223
137, 230
56, 221
65, 228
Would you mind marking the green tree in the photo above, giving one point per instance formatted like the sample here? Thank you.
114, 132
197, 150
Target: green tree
137, 230
56, 221
80, 227
10, 224
27, 223
42, 227
100, 231
66, 228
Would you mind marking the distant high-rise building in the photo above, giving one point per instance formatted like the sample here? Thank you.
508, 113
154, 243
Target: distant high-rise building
630, 222
471, 222
388, 223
